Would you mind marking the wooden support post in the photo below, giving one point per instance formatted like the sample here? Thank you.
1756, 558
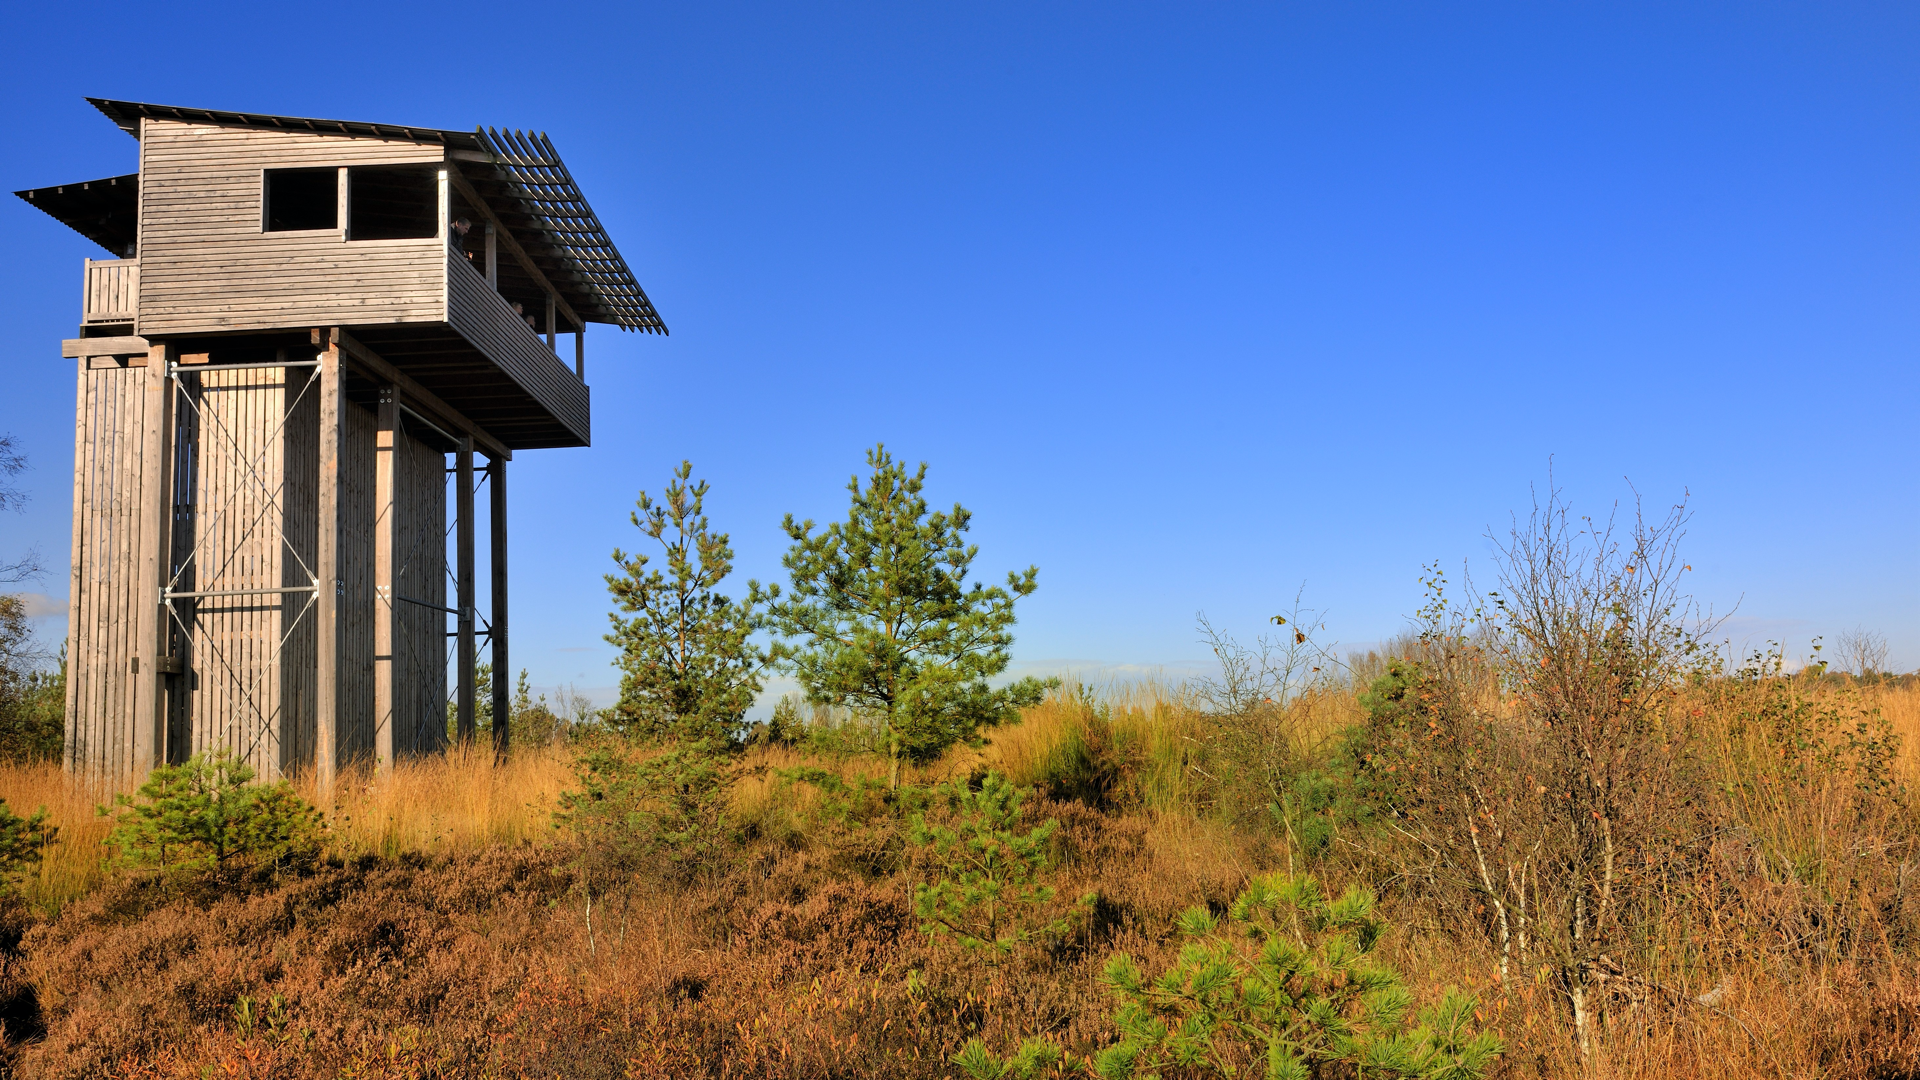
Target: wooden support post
78, 575
326, 568
502, 673
551, 327
343, 207
385, 636
154, 565
463, 583
493, 257
580, 352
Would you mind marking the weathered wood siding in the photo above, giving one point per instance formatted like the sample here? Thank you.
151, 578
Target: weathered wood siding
207, 266
356, 598
244, 519
420, 574
108, 519
112, 289
487, 321
245, 516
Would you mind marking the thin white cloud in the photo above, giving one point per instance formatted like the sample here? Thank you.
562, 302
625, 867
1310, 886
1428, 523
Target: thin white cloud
42, 606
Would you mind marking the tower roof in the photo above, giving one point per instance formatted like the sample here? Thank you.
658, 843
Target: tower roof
518, 174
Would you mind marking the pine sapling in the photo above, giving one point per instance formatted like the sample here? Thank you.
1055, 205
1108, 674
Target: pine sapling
1283, 989
987, 896
203, 815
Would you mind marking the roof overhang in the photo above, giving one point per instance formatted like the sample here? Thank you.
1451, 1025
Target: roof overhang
103, 211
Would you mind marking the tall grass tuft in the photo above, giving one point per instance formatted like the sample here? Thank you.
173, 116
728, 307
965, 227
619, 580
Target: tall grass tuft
460, 801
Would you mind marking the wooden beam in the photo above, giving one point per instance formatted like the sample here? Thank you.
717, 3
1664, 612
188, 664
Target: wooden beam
580, 353
385, 532
327, 569
425, 400
155, 502
465, 187
463, 583
551, 300
502, 672
493, 256
104, 346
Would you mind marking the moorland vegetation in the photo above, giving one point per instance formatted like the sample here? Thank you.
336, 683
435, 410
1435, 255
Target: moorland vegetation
1552, 830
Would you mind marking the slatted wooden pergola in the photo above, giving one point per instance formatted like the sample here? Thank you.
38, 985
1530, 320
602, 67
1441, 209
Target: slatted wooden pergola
302, 321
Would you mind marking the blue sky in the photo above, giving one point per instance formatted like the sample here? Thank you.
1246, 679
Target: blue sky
1192, 305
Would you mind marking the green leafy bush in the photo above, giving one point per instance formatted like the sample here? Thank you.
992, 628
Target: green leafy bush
202, 815
1285, 988
986, 895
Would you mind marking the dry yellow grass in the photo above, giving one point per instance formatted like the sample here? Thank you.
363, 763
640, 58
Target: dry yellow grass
72, 866
464, 801
1901, 706
461, 801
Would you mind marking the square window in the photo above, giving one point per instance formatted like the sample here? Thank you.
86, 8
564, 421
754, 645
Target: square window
302, 199
393, 202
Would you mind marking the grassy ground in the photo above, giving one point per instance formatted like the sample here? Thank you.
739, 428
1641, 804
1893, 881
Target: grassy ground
451, 935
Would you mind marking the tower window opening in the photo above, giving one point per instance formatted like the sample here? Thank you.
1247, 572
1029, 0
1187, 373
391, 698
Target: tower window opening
393, 202
302, 199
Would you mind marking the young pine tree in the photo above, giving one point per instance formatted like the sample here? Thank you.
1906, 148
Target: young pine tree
986, 894
689, 669
881, 618
689, 673
203, 815
1287, 988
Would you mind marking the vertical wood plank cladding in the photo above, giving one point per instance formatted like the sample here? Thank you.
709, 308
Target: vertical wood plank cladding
206, 265
112, 288
241, 524
487, 321
356, 602
181, 572
420, 574
299, 612
245, 515
107, 470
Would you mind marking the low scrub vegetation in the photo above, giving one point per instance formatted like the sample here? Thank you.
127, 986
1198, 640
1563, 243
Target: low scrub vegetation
461, 939
1549, 832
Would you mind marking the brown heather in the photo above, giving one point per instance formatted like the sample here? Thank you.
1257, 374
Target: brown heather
449, 936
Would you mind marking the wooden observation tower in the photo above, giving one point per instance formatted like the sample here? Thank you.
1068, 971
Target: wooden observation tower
306, 331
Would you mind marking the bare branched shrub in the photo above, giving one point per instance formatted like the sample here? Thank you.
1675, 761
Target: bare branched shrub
1862, 652
1269, 672
1534, 753
26, 565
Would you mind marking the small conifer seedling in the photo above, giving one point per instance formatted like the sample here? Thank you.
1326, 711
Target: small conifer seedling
1283, 989
987, 894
